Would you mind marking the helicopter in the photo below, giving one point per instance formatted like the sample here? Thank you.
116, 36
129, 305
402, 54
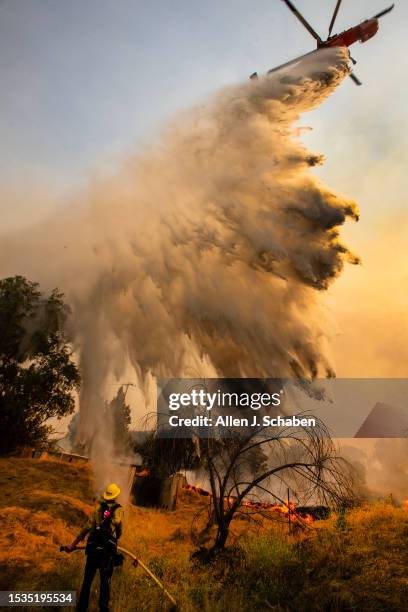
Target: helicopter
362, 32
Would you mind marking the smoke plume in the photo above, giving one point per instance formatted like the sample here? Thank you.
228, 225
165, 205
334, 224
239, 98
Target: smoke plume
381, 464
207, 254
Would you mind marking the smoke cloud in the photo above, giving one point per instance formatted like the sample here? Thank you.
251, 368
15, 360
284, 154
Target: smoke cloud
381, 464
207, 254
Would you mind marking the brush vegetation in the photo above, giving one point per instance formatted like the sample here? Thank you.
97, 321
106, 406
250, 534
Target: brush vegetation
354, 561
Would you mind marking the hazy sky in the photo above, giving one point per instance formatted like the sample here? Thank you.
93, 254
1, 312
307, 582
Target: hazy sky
85, 82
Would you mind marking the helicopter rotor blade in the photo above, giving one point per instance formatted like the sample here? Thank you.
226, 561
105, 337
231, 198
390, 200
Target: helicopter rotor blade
355, 79
384, 12
302, 20
333, 19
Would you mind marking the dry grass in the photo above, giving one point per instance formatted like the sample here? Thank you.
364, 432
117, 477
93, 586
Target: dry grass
363, 563
357, 563
43, 506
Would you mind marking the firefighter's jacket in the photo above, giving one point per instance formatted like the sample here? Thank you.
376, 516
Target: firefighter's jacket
96, 519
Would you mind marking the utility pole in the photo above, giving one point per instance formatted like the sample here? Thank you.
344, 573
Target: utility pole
126, 386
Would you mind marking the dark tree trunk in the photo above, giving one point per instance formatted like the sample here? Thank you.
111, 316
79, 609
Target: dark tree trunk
222, 536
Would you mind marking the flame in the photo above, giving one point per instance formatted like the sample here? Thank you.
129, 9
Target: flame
145, 472
288, 509
405, 504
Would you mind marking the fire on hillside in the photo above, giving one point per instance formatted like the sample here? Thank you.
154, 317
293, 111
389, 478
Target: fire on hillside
289, 509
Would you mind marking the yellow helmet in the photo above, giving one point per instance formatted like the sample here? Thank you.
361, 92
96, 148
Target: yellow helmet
111, 492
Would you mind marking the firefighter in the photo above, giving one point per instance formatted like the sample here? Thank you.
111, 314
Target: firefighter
104, 528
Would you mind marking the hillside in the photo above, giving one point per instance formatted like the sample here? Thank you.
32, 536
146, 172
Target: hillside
356, 562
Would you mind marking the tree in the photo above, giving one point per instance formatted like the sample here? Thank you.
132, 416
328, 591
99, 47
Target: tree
240, 467
37, 374
72, 439
167, 456
119, 416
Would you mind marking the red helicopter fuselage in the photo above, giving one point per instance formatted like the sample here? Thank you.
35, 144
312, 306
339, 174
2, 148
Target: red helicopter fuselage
359, 33
362, 32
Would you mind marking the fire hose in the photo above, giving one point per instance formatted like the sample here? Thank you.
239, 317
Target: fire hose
136, 562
